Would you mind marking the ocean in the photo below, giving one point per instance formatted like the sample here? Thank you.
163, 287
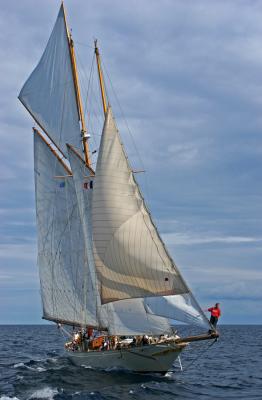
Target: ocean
33, 365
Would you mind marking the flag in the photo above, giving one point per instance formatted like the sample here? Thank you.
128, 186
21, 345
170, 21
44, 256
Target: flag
88, 185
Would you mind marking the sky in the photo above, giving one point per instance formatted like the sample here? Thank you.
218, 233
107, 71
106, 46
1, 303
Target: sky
188, 77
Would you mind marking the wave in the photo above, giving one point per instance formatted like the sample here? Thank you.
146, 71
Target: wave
8, 398
86, 366
19, 365
40, 369
23, 365
45, 393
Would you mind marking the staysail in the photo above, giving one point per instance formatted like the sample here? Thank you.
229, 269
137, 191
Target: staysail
130, 257
66, 287
181, 307
129, 317
49, 93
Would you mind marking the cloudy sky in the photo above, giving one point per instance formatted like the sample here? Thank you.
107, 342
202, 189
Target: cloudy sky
188, 77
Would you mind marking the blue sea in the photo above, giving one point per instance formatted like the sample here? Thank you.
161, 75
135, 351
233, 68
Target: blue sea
33, 365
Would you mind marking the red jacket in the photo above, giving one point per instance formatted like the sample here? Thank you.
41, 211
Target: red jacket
215, 312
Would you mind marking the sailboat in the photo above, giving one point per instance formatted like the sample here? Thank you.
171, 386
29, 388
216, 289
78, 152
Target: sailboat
102, 262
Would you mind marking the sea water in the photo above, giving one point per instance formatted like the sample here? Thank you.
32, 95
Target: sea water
33, 365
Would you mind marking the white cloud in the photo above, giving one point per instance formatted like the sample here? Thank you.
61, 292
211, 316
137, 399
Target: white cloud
183, 154
17, 251
17, 211
188, 74
187, 239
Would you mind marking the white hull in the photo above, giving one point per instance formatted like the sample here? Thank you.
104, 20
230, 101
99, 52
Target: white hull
151, 358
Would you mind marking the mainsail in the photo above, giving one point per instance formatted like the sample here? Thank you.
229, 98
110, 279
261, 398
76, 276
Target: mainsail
49, 93
66, 287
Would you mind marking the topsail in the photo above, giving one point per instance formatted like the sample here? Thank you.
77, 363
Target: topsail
49, 93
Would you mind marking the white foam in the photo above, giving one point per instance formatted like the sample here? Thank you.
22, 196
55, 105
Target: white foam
53, 359
8, 398
31, 368
40, 369
109, 369
45, 393
19, 365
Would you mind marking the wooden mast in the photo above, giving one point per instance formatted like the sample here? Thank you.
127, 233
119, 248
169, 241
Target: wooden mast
84, 133
101, 78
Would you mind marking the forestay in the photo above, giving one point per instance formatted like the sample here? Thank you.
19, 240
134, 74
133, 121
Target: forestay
62, 258
130, 256
49, 93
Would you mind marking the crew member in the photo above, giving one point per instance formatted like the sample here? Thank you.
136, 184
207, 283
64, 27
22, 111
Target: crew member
215, 314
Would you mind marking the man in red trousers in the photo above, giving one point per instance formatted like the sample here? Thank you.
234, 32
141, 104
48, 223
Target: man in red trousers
215, 314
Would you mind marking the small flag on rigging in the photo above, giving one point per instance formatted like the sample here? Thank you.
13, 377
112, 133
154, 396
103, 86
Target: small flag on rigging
88, 185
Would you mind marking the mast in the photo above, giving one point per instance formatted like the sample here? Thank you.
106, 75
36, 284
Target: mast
84, 133
101, 78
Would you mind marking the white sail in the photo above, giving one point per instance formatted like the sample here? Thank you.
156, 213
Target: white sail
130, 257
49, 93
126, 317
129, 317
182, 308
62, 258
83, 181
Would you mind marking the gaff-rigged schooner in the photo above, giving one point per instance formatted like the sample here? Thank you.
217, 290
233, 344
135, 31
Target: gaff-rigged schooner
102, 262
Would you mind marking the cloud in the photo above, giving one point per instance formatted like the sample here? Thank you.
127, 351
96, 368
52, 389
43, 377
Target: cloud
188, 77
18, 251
186, 239
184, 154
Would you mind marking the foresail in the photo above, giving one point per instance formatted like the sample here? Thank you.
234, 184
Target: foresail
183, 308
129, 317
49, 93
130, 257
62, 257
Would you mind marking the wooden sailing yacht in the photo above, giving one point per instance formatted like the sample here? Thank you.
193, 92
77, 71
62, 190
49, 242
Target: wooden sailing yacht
102, 262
